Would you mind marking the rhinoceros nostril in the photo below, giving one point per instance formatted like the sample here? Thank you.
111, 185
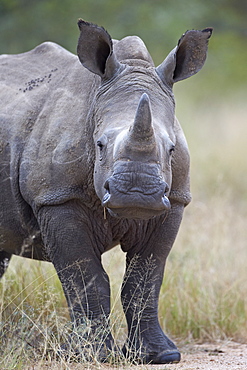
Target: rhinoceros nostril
106, 186
166, 189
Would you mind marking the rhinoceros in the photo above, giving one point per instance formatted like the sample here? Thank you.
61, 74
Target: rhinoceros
92, 156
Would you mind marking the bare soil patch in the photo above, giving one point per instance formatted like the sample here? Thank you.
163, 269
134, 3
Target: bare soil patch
216, 356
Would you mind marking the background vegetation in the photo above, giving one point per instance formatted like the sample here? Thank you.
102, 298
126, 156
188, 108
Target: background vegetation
26, 23
204, 295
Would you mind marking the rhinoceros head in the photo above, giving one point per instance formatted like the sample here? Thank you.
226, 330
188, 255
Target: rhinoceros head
133, 118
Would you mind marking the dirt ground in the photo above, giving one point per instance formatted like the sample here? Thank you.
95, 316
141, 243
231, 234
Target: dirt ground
218, 356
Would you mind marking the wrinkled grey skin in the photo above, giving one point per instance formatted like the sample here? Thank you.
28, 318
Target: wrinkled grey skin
94, 157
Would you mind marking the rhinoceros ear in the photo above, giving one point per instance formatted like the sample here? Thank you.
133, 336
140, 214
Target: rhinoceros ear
95, 50
187, 58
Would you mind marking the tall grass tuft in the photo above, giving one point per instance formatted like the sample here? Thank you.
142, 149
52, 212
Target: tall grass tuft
204, 294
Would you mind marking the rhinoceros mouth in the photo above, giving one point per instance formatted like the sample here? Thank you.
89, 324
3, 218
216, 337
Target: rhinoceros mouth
164, 204
136, 190
134, 213
135, 205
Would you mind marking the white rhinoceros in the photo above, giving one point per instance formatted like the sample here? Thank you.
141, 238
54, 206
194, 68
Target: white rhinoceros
92, 157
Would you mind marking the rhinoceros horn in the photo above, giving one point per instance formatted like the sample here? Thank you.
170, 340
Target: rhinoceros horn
142, 128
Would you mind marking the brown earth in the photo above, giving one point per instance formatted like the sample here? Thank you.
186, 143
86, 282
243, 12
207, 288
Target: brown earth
217, 356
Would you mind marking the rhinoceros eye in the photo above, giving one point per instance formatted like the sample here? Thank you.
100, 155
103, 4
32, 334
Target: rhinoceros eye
101, 143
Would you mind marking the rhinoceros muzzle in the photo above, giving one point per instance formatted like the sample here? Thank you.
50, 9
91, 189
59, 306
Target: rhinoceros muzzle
136, 188
135, 195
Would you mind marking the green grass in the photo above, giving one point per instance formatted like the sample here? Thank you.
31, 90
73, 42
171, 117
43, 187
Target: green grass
204, 294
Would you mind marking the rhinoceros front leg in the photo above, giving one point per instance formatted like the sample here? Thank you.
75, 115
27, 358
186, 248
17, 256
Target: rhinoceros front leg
141, 286
71, 248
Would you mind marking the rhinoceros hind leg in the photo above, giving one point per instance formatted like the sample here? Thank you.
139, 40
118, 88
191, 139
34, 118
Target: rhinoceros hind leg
4, 262
90, 352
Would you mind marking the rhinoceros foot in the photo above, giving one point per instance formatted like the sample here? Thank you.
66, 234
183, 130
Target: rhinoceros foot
165, 357
151, 352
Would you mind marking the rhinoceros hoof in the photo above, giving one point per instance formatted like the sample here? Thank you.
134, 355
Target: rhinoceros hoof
165, 357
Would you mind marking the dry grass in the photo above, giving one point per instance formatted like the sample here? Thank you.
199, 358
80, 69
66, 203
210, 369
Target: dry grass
207, 267
204, 295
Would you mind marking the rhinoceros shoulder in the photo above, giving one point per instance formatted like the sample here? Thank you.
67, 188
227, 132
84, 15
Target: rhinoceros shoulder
35, 64
49, 48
